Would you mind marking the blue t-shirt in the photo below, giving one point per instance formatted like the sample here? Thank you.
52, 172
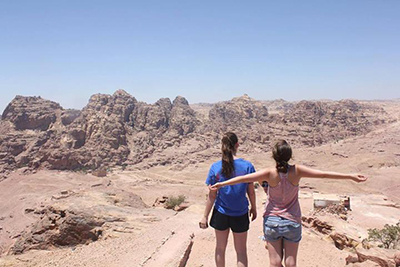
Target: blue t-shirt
231, 200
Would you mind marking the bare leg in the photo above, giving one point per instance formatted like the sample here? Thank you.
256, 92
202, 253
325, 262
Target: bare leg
222, 241
275, 253
240, 241
291, 250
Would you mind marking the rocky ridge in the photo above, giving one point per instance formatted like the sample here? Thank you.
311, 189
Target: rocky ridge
117, 130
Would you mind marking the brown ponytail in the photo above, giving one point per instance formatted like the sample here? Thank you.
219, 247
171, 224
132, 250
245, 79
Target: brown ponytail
282, 153
229, 140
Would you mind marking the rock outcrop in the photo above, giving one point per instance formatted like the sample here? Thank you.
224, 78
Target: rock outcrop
32, 113
69, 115
238, 110
182, 119
117, 130
343, 241
317, 224
332, 120
377, 258
58, 228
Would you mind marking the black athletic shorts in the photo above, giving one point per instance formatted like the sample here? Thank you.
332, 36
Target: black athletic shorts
238, 224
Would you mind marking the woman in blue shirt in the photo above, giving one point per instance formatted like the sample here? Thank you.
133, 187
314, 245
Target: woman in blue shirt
231, 207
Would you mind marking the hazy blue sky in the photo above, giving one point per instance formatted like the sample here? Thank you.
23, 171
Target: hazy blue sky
206, 51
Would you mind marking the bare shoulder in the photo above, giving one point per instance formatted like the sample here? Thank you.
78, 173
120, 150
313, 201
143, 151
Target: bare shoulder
260, 175
299, 169
265, 174
267, 171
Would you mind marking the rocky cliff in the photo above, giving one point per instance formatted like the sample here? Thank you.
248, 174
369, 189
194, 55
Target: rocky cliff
117, 130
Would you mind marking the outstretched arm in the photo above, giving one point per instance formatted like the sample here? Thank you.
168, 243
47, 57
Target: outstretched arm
261, 175
304, 171
209, 204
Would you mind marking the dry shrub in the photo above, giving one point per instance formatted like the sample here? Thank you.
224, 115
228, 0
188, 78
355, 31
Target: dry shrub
388, 237
173, 201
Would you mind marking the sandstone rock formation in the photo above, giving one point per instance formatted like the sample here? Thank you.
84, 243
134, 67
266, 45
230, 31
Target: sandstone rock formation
317, 224
278, 106
238, 110
378, 259
343, 241
117, 130
32, 113
333, 120
58, 228
80, 216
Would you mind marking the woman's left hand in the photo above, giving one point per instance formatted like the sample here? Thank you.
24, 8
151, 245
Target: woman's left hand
253, 213
359, 178
215, 186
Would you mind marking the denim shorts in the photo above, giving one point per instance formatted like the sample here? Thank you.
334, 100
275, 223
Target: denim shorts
276, 228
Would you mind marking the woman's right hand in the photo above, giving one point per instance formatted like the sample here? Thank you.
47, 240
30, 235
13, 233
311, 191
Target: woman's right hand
203, 223
358, 178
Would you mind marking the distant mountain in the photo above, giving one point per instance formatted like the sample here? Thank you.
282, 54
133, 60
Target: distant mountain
117, 130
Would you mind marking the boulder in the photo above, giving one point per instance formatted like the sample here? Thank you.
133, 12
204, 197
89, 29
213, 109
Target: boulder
59, 228
100, 172
342, 241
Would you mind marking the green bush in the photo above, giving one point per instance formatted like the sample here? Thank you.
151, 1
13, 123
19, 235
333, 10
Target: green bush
172, 201
389, 236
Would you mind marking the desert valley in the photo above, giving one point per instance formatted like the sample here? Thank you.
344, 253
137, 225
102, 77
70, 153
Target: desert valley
94, 187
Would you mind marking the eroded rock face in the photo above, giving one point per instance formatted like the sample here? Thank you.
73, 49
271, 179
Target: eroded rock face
69, 115
104, 117
306, 123
97, 137
104, 133
238, 109
317, 224
380, 260
146, 117
58, 228
78, 216
332, 120
182, 119
342, 241
31, 113
116, 130
120, 197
